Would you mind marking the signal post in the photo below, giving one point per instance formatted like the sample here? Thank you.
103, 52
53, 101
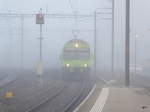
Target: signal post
40, 21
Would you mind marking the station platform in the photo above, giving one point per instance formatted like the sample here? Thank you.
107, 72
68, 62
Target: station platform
115, 99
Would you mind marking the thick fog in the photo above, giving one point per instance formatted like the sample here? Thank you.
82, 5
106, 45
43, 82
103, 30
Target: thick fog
57, 31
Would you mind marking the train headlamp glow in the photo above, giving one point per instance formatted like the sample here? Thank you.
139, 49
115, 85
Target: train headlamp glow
67, 65
76, 45
85, 65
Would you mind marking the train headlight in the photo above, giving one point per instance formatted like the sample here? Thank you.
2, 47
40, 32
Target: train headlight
67, 65
76, 45
85, 65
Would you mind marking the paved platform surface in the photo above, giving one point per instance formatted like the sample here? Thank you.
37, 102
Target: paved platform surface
112, 99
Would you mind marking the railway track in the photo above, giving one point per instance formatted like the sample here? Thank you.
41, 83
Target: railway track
49, 96
63, 97
8, 79
85, 89
48, 104
27, 92
3, 75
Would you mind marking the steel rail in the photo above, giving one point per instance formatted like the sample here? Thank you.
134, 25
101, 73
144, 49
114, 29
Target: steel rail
40, 104
80, 96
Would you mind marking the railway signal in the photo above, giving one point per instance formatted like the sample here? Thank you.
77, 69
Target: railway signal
40, 21
40, 18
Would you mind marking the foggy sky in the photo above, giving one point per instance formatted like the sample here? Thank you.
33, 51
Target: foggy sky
57, 32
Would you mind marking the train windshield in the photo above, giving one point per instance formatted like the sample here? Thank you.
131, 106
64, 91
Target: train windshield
76, 55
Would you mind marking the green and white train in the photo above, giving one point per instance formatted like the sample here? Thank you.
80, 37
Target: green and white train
76, 57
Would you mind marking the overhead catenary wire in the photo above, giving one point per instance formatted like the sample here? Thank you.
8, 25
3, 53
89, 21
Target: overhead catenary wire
75, 31
56, 15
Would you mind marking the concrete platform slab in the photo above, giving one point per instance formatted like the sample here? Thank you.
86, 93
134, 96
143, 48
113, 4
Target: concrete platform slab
111, 99
127, 100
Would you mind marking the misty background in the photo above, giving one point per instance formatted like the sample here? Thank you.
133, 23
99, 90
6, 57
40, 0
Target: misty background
56, 32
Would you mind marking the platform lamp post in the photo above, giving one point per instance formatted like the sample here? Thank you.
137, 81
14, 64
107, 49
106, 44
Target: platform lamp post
22, 39
95, 42
40, 21
113, 40
135, 54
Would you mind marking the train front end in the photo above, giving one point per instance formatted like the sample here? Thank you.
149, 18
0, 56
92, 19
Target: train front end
76, 57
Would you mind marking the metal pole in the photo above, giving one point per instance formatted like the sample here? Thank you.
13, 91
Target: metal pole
40, 21
135, 53
95, 43
41, 43
127, 45
112, 66
40, 66
22, 29
11, 42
